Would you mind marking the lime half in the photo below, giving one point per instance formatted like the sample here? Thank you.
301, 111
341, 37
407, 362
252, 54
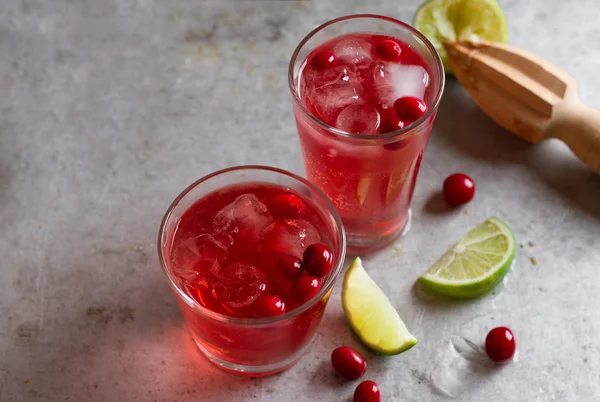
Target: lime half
371, 315
474, 265
452, 20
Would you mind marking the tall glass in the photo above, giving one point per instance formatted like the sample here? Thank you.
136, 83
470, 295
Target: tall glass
252, 346
370, 178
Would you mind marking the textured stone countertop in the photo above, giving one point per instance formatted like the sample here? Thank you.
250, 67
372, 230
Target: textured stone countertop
108, 109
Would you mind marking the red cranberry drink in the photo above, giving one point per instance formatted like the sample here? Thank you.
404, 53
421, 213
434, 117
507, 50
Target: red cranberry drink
366, 90
252, 254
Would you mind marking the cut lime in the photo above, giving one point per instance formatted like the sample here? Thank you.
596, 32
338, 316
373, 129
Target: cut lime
395, 184
362, 189
476, 264
371, 315
452, 20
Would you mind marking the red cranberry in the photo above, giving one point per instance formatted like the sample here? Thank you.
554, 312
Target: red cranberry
500, 344
458, 189
304, 288
410, 108
348, 362
286, 206
317, 259
367, 391
289, 267
323, 60
392, 123
269, 306
394, 146
389, 50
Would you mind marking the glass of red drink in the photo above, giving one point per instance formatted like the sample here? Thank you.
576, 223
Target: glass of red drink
365, 92
251, 254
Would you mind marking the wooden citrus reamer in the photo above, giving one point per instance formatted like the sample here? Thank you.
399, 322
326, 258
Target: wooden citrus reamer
527, 95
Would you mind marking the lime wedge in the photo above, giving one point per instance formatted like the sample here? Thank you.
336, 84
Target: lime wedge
452, 20
474, 265
371, 315
395, 184
362, 189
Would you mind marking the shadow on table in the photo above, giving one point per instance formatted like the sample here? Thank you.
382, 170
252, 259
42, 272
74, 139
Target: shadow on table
437, 205
103, 331
431, 300
121, 336
465, 127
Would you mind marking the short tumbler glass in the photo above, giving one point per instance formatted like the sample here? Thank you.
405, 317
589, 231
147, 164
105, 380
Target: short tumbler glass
261, 346
370, 178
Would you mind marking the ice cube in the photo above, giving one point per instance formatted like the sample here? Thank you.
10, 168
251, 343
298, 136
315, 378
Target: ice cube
238, 285
245, 217
329, 76
289, 236
462, 364
198, 256
353, 50
337, 89
393, 81
359, 119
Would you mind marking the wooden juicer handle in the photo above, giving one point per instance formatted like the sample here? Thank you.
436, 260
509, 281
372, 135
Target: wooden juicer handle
527, 95
578, 126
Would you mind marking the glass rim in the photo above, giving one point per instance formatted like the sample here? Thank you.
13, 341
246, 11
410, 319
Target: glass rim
251, 322
370, 137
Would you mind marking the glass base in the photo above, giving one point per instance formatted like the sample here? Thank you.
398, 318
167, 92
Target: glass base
359, 245
254, 371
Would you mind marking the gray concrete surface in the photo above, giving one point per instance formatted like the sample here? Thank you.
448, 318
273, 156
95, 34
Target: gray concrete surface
109, 108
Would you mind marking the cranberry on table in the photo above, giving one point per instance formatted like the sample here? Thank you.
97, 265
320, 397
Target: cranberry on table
348, 362
389, 50
317, 259
323, 60
500, 344
269, 306
458, 189
367, 391
286, 206
410, 108
304, 288
289, 267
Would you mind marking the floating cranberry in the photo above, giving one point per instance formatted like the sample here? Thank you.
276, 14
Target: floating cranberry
286, 206
348, 362
304, 288
458, 189
367, 391
317, 259
394, 146
392, 123
389, 50
410, 108
269, 306
500, 344
289, 267
323, 60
